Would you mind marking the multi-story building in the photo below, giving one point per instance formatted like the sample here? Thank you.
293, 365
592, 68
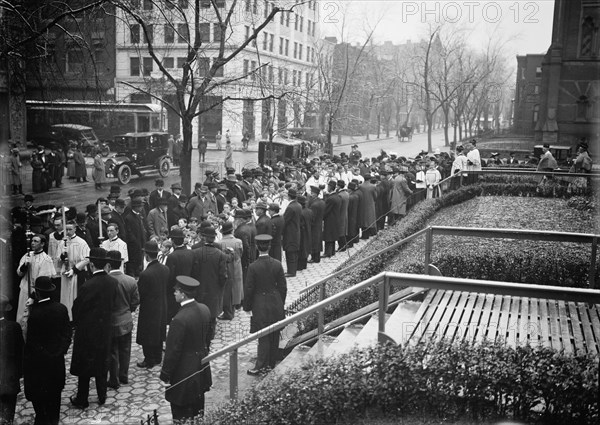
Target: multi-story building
527, 93
266, 86
570, 92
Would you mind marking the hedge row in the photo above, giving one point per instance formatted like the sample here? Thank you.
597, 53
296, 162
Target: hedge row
442, 381
417, 219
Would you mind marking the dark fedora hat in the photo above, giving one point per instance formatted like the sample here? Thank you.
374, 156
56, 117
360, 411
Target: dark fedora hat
176, 233
97, 254
44, 283
151, 247
227, 228
261, 205
274, 206
208, 231
239, 213
114, 255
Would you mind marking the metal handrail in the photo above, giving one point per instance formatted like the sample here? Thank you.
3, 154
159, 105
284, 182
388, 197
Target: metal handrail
406, 279
517, 171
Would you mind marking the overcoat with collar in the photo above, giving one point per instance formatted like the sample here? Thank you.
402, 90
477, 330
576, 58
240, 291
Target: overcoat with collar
152, 319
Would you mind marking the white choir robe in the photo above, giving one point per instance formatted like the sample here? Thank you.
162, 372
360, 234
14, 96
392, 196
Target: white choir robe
117, 244
77, 251
41, 264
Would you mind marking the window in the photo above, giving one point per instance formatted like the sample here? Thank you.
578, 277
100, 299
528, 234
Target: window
299, 78
300, 52
266, 9
147, 4
205, 32
538, 72
536, 112
169, 34
301, 23
183, 4
255, 7
74, 60
167, 62
183, 35
219, 72
313, 29
134, 33
583, 104
247, 32
147, 66
285, 76
248, 5
296, 21
295, 49
287, 19
536, 89
265, 43
280, 76
294, 77
271, 42
308, 26
134, 67
589, 35
287, 47
252, 68
203, 66
246, 64
281, 45
181, 61
216, 33
281, 18
149, 33
307, 53
270, 73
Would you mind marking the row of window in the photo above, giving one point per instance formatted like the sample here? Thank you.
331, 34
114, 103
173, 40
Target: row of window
283, 74
170, 34
171, 4
268, 41
145, 66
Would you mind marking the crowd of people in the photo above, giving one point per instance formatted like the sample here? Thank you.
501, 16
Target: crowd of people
221, 246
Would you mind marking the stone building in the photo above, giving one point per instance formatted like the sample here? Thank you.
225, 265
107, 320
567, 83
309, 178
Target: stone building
527, 93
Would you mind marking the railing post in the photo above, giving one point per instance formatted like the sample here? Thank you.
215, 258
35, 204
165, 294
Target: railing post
233, 374
384, 290
321, 317
428, 248
592, 277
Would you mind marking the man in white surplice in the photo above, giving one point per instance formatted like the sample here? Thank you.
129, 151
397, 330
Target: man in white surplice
73, 259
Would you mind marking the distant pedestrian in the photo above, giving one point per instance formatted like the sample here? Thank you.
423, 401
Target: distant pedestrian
171, 144
547, 161
228, 153
98, 173
80, 167
48, 340
15, 172
202, 145
218, 138
177, 150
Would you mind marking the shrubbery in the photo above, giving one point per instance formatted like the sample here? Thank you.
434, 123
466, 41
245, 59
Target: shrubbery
442, 381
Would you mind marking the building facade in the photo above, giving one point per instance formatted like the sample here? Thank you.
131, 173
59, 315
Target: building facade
570, 93
527, 93
263, 89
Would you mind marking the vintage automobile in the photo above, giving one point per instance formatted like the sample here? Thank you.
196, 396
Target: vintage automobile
81, 134
136, 153
281, 149
562, 154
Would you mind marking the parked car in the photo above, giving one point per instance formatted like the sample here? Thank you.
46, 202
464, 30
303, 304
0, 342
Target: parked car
137, 153
81, 134
282, 149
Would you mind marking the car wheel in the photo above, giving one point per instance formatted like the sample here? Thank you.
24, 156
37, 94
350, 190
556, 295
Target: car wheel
164, 166
124, 174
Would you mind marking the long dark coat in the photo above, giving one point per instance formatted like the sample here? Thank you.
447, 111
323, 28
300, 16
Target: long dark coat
367, 206
343, 219
291, 226
152, 321
317, 206
155, 197
246, 233
80, 168
384, 188
39, 183
186, 345
276, 233
353, 205
331, 217
136, 237
265, 292
263, 225
48, 339
210, 269
91, 316
306, 231
180, 263
11, 357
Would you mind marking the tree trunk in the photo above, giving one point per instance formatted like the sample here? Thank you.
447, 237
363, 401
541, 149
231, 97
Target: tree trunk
378, 126
429, 130
185, 169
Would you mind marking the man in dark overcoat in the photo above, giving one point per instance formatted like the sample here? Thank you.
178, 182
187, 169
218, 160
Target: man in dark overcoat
48, 339
367, 206
343, 218
266, 289
331, 217
92, 311
384, 189
317, 206
305, 233
136, 238
11, 362
263, 223
187, 343
180, 263
246, 232
353, 206
210, 268
291, 232
158, 193
152, 320
276, 231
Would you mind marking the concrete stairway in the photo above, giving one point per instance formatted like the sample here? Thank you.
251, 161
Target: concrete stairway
399, 325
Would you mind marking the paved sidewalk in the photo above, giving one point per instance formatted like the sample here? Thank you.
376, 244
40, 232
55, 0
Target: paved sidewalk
145, 392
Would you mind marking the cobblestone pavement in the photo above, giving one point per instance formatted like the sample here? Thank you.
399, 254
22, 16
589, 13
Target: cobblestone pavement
145, 392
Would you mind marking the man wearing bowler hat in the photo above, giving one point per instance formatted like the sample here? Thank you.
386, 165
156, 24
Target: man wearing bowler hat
48, 339
276, 231
136, 237
291, 232
187, 343
11, 362
92, 310
263, 222
179, 262
233, 293
157, 220
246, 232
266, 289
210, 268
158, 193
152, 320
